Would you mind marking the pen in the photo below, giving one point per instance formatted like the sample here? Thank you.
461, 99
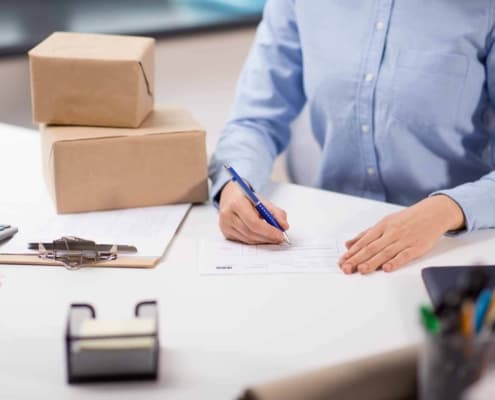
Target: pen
430, 320
467, 320
490, 313
260, 207
481, 309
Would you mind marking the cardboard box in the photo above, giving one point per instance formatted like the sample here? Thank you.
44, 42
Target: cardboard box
95, 80
162, 162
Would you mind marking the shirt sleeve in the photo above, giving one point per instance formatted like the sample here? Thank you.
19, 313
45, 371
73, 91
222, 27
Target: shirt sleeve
477, 199
269, 96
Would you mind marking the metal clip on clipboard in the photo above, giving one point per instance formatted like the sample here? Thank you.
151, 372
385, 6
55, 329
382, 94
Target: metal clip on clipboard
74, 252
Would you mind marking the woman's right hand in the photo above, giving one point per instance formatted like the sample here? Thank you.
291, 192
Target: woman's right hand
239, 220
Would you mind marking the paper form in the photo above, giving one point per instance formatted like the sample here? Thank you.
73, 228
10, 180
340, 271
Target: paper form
305, 255
150, 229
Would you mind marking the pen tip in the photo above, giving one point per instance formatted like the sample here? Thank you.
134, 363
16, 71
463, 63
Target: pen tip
286, 237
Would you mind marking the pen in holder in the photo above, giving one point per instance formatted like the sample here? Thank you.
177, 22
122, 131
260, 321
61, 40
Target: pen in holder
101, 350
449, 365
460, 340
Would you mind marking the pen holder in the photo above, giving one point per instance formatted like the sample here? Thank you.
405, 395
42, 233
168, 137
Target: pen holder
101, 350
450, 365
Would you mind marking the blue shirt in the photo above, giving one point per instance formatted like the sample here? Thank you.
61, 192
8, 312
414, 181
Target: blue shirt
399, 94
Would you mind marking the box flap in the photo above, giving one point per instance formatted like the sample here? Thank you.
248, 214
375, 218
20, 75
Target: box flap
161, 120
92, 46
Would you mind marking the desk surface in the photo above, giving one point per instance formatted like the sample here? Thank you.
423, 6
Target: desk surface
218, 333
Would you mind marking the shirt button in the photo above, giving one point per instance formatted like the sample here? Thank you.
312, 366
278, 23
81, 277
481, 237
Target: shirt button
365, 128
368, 77
371, 171
380, 25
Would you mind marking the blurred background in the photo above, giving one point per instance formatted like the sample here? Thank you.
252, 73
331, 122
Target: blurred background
201, 47
23, 23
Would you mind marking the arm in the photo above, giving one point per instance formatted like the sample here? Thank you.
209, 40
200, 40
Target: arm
477, 199
404, 236
269, 96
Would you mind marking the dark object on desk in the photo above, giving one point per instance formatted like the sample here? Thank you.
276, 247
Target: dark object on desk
457, 352
6, 232
100, 351
441, 282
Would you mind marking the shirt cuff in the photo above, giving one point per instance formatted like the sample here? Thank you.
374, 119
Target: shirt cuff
245, 170
222, 178
467, 205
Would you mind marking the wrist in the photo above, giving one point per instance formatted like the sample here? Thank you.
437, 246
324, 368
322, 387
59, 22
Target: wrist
453, 216
218, 196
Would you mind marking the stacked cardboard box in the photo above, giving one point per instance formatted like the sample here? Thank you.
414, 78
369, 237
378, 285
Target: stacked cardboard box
105, 146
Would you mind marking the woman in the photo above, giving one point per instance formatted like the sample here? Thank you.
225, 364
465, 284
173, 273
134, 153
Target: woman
399, 94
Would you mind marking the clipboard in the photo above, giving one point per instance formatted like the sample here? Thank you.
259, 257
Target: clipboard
75, 253
121, 262
150, 229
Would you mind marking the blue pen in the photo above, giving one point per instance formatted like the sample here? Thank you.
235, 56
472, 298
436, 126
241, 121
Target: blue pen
260, 207
481, 308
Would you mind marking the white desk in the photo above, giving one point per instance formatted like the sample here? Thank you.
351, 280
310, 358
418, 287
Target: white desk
218, 333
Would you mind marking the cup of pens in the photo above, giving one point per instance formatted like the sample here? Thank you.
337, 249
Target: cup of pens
460, 339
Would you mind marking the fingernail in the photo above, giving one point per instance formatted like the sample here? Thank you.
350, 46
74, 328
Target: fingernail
347, 267
363, 268
387, 267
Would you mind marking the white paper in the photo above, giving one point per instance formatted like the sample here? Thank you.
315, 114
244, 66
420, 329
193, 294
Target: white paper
150, 229
303, 255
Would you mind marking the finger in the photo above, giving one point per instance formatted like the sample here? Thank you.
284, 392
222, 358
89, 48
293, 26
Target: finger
279, 214
350, 242
385, 255
263, 231
253, 236
228, 230
370, 236
238, 232
366, 253
258, 230
236, 236
405, 256
239, 226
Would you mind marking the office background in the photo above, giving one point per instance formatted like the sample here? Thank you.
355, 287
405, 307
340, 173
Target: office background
201, 47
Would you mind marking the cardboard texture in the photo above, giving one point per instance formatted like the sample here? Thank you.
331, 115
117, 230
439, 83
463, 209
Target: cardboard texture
90, 79
93, 168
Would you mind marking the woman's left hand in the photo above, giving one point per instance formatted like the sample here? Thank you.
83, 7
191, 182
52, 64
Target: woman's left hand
403, 236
